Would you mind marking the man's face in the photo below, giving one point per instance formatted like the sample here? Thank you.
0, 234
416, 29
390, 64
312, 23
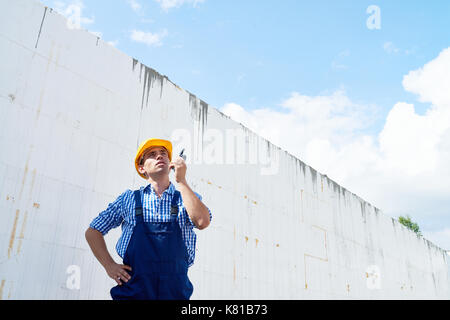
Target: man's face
155, 160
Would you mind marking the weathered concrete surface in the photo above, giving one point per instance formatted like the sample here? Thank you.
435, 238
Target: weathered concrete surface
72, 113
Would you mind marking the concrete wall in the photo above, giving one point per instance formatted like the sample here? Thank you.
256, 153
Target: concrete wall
73, 110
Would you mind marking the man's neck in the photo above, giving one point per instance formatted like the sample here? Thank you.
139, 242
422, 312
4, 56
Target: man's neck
159, 185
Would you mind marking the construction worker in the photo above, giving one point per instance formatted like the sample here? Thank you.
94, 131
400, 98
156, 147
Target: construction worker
158, 241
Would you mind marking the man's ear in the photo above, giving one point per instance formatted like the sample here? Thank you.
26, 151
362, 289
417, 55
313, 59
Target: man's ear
142, 170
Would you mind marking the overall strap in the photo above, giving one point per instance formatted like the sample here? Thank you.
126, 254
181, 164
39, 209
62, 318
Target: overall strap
137, 202
174, 204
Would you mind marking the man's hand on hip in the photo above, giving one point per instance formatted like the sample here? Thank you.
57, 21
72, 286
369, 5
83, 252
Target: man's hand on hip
117, 272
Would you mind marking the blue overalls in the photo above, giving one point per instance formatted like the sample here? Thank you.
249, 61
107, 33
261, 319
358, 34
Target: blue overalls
157, 256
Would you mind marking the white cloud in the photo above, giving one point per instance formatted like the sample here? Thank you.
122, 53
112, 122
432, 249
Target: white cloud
113, 43
431, 82
150, 39
169, 4
136, 6
404, 169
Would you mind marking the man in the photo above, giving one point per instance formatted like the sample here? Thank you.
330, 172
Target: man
157, 242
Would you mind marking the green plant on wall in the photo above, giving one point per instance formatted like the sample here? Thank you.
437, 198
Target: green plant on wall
407, 222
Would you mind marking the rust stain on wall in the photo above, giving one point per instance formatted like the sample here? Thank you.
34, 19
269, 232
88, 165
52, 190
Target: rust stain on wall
13, 234
2, 285
324, 259
41, 101
33, 179
25, 172
9, 292
22, 232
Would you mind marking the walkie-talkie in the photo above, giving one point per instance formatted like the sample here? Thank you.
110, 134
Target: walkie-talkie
182, 155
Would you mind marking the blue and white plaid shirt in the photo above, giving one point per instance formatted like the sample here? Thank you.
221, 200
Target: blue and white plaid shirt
155, 209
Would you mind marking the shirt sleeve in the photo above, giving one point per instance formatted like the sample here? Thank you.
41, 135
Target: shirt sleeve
110, 218
185, 216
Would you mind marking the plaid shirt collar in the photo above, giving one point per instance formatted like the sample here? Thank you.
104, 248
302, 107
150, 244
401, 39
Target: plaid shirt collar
170, 190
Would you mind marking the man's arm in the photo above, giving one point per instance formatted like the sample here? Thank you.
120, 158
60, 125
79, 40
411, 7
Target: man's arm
195, 208
97, 244
197, 211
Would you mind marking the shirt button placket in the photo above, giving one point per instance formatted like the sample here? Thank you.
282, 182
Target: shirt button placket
158, 205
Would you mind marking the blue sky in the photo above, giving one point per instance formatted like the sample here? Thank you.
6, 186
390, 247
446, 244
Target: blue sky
259, 60
232, 50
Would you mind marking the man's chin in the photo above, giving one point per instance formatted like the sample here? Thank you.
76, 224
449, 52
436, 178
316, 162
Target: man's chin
161, 171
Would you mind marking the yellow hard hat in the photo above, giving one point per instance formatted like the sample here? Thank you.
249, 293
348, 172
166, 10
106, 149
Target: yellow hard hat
148, 144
